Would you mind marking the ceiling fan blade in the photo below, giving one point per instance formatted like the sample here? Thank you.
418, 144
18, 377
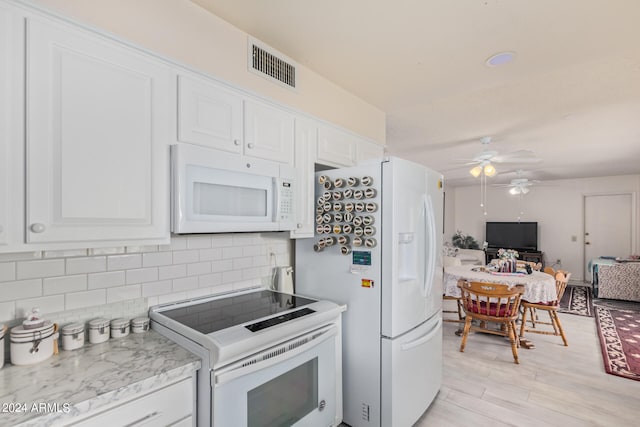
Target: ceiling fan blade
520, 156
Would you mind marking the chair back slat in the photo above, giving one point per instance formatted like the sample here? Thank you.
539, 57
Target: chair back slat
562, 279
495, 300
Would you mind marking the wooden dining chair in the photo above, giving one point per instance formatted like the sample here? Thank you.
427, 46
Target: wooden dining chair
458, 301
550, 270
551, 307
491, 303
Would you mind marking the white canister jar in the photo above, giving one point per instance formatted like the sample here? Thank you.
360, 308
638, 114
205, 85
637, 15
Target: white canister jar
140, 325
99, 330
29, 346
72, 336
119, 328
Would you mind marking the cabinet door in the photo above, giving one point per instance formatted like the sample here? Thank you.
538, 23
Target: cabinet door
305, 148
209, 115
11, 136
268, 132
336, 147
98, 126
368, 150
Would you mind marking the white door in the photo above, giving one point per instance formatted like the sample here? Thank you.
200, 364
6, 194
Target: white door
336, 147
98, 123
411, 373
412, 235
269, 132
209, 115
305, 145
608, 225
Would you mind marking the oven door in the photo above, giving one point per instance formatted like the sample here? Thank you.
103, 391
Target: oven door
294, 383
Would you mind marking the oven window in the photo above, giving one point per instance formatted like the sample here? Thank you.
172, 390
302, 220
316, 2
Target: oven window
286, 399
227, 200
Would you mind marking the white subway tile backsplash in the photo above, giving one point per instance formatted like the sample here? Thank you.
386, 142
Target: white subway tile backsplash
7, 311
172, 271
124, 262
39, 268
94, 264
240, 263
20, 289
156, 259
198, 268
231, 276
185, 257
209, 280
141, 275
218, 266
64, 284
210, 254
160, 287
49, 304
86, 283
85, 299
106, 279
123, 293
7, 271
199, 242
234, 252
185, 284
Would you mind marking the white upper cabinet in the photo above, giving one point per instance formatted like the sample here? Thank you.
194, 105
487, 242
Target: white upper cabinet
98, 127
336, 147
209, 115
268, 132
7, 122
305, 149
369, 150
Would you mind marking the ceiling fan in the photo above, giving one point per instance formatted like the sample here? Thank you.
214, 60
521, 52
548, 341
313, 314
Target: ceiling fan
485, 159
519, 185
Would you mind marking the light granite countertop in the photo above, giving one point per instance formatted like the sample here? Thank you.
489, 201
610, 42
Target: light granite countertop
76, 382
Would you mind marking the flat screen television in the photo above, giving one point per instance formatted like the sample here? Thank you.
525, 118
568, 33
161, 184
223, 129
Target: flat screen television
512, 235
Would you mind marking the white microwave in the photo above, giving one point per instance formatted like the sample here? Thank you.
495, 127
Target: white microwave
217, 192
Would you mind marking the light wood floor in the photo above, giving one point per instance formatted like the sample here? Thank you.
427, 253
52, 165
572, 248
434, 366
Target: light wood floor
552, 386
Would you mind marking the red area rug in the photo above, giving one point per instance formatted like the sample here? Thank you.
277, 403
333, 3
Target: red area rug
619, 332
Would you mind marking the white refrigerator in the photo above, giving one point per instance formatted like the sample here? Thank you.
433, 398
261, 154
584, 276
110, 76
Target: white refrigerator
377, 249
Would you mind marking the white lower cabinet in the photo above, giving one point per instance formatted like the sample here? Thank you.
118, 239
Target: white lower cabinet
97, 117
172, 405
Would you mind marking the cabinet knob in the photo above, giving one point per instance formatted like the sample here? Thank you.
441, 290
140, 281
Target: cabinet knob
298, 225
251, 145
236, 142
37, 227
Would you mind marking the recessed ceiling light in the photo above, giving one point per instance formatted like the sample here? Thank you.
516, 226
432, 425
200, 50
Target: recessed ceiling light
500, 58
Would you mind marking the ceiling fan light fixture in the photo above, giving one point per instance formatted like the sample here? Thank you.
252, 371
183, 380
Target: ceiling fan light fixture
524, 190
514, 190
489, 170
500, 58
476, 171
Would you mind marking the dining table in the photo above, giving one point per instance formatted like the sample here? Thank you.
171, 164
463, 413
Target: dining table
538, 286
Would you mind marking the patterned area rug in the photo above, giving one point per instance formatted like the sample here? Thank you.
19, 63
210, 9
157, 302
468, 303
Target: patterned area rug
577, 300
619, 332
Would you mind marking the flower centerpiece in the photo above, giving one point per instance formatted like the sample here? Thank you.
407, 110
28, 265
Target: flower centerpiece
507, 260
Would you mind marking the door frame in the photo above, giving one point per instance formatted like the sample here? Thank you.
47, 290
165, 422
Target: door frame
634, 220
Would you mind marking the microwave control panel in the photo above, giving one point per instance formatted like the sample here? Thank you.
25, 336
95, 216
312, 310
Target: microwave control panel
285, 207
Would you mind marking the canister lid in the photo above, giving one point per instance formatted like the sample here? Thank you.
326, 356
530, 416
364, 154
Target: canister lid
3, 329
72, 328
100, 322
119, 323
20, 334
140, 321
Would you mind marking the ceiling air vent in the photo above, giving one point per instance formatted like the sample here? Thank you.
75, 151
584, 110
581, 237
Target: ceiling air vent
271, 64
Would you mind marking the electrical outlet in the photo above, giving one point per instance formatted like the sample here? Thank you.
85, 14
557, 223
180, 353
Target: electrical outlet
558, 261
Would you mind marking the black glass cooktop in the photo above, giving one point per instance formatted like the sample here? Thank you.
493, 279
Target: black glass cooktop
218, 314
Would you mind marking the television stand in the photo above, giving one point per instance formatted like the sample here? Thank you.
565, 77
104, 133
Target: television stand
525, 255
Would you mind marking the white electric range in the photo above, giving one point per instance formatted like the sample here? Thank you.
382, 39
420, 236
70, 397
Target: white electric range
268, 358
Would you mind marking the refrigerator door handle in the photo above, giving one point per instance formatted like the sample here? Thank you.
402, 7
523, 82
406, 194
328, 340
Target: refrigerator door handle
430, 245
423, 339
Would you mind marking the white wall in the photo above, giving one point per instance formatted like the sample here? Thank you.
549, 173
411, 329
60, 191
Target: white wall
557, 206
184, 32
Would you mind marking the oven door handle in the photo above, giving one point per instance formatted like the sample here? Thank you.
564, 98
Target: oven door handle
273, 356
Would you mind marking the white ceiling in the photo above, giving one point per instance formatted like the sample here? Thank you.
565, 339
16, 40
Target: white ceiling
572, 94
